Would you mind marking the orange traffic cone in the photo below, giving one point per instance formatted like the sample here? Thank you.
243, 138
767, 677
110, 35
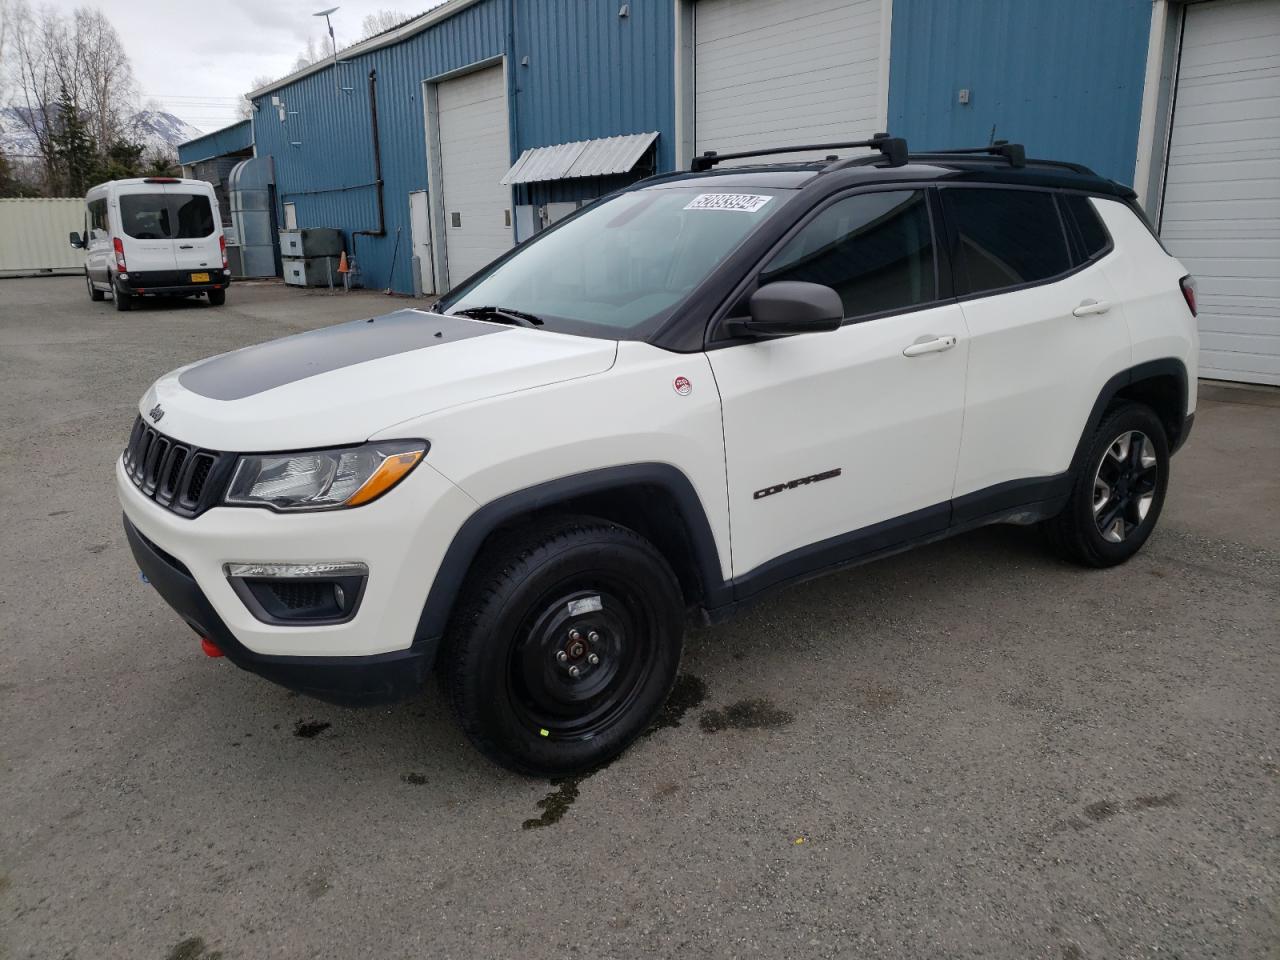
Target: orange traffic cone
342, 263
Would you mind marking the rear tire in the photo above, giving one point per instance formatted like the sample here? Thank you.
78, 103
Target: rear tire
1118, 494
217, 298
124, 301
96, 295
564, 646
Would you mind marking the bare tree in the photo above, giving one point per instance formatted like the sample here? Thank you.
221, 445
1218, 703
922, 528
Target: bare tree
313, 52
244, 109
381, 22
106, 80
33, 79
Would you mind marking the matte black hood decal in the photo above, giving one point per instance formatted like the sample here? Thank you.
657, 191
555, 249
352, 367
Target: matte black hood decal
242, 373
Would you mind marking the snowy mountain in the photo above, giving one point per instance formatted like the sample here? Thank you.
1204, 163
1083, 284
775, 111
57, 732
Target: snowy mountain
155, 129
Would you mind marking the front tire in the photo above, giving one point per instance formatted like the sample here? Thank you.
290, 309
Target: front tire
1118, 494
565, 645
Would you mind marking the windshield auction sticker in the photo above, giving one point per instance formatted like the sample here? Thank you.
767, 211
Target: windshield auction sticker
745, 202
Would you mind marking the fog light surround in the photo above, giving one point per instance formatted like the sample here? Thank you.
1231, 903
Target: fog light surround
299, 594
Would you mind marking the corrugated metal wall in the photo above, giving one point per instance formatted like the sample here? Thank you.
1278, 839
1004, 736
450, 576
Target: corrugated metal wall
591, 73
33, 234
323, 151
1064, 78
236, 138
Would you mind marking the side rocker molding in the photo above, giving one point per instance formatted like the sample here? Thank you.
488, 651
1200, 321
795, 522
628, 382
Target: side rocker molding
471, 536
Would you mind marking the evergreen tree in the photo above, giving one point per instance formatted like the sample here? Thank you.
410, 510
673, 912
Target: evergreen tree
75, 153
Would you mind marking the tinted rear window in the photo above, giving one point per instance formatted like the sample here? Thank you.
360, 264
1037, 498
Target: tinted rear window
874, 249
160, 216
1089, 229
1006, 237
145, 216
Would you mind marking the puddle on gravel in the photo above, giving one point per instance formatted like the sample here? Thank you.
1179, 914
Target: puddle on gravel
687, 692
193, 948
752, 714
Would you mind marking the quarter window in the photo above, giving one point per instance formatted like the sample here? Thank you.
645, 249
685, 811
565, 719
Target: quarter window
1005, 237
874, 249
1090, 232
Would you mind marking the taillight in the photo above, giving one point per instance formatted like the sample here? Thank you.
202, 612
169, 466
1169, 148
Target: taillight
1188, 285
119, 245
222, 246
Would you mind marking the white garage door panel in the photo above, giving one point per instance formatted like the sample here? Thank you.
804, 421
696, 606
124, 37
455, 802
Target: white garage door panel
474, 156
1221, 214
768, 73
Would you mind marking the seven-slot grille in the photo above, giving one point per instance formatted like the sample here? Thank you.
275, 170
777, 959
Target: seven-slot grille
175, 475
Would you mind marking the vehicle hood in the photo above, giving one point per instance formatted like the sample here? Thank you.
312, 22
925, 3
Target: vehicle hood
342, 384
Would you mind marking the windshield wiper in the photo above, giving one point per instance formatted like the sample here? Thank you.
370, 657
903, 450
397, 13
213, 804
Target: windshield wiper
502, 315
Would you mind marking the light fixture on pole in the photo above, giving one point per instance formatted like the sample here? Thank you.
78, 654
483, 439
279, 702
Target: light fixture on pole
332, 42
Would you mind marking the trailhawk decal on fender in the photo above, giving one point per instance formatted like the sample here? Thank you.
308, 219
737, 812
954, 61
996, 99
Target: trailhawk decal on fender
792, 484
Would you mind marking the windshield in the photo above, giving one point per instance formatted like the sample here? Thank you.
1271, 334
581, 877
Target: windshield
623, 262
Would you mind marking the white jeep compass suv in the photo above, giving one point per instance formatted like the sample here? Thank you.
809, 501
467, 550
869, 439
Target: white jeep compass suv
702, 387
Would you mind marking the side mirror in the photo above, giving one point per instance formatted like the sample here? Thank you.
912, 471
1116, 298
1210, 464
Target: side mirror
789, 307
76, 241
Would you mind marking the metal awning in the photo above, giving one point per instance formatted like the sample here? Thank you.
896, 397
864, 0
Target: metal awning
582, 158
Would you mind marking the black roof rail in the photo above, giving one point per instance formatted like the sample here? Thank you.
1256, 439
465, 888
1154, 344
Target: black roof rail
1015, 153
893, 148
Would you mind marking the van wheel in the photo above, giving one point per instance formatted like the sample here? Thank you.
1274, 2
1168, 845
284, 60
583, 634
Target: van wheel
124, 301
217, 298
96, 295
1119, 492
564, 646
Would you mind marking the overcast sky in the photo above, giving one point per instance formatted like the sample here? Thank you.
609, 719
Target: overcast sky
196, 61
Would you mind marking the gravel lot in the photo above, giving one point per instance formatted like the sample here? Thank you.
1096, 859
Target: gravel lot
971, 750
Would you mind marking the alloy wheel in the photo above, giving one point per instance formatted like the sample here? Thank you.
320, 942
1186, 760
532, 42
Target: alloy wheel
1124, 486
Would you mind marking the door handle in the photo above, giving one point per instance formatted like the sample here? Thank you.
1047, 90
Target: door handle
186, 246
929, 345
1091, 307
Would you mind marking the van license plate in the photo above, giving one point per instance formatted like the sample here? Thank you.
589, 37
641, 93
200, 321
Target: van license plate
199, 278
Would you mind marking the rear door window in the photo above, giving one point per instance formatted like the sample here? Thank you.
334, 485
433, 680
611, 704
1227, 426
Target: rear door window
1005, 238
874, 249
190, 215
145, 216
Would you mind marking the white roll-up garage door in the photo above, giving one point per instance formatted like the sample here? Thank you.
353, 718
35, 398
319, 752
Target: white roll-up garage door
1221, 213
474, 156
771, 73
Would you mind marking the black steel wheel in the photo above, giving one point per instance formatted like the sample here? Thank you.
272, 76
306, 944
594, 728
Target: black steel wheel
1118, 493
565, 645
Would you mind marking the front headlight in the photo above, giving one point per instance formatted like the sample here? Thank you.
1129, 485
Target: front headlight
322, 479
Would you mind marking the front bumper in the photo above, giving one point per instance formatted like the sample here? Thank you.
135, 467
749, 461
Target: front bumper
400, 538
351, 681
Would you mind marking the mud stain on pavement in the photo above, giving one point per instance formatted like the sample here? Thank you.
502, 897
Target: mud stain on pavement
193, 948
687, 692
307, 729
417, 779
752, 714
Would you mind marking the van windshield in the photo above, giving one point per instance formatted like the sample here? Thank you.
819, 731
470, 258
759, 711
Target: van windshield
166, 216
618, 267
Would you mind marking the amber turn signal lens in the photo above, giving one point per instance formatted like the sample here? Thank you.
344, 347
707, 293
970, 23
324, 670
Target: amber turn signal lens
390, 472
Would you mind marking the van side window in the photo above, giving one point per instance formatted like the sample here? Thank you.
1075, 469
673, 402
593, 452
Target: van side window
1090, 232
98, 227
874, 249
1005, 237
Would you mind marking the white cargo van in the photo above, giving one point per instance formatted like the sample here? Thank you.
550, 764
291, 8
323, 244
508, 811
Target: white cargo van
156, 236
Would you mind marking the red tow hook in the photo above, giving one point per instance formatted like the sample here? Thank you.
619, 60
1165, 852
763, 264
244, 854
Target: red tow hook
210, 648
